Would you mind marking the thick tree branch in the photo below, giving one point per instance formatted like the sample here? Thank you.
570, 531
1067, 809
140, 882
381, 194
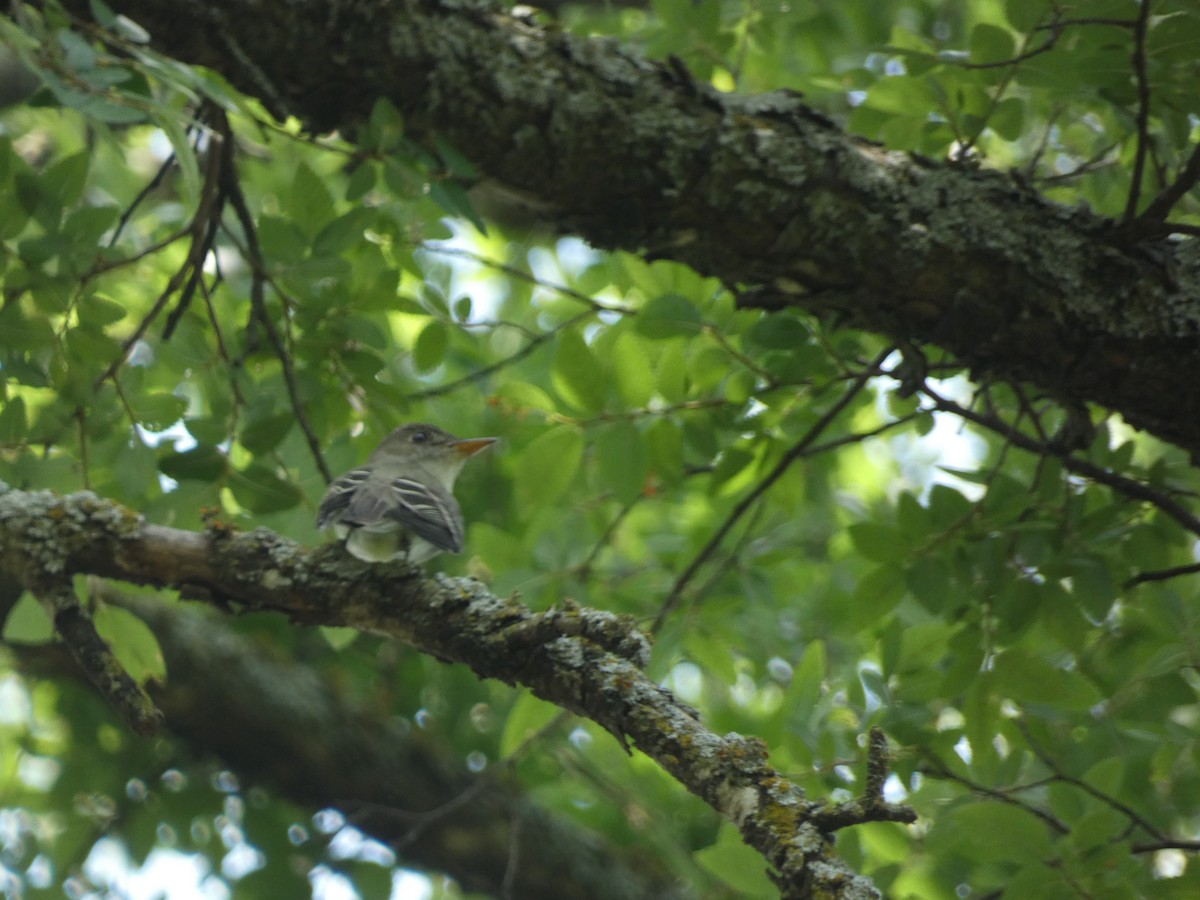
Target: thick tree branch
760, 191
586, 661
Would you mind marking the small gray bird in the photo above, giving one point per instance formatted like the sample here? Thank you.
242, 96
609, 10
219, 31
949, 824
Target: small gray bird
400, 502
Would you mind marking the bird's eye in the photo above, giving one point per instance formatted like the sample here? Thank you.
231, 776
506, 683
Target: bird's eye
420, 437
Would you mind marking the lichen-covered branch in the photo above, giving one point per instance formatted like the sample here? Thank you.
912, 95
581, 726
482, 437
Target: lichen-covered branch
760, 191
94, 656
586, 661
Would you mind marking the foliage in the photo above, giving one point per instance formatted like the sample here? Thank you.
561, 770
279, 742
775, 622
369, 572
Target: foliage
177, 334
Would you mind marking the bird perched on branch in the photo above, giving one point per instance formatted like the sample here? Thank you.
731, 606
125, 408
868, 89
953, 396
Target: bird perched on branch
400, 503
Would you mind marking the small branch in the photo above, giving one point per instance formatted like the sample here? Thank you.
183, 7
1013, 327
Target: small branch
237, 200
1155, 846
145, 192
96, 658
1143, 114
1155, 214
479, 374
941, 770
584, 569
1163, 574
529, 278
1048, 761
796, 452
870, 807
1129, 487
202, 230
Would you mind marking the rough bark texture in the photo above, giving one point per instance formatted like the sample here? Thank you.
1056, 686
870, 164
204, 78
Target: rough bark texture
586, 661
759, 191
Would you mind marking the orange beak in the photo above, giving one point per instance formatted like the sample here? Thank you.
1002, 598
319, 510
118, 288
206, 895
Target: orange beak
471, 446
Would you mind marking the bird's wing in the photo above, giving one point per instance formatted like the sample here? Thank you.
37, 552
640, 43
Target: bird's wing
429, 511
338, 496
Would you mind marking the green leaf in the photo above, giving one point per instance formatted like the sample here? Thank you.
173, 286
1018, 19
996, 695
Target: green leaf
668, 315
732, 861
1025, 15
1092, 585
362, 181
947, 506
451, 197
21, 332
622, 460
930, 581
809, 676
430, 348
263, 435
98, 311
132, 641
527, 717
308, 200
972, 832
1031, 679
991, 43
208, 429
102, 13
13, 425
385, 128
282, 241
665, 443
577, 376
158, 411
878, 542
339, 637
632, 369
343, 232
671, 372
457, 164
875, 595
779, 331
28, 623
262, 491
64, 180
1008, 120
547, 465
201, 463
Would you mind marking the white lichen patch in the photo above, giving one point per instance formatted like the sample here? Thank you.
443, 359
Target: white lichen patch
736, 802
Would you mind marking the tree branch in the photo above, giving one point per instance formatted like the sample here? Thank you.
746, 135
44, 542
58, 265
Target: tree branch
758, 190
586, 661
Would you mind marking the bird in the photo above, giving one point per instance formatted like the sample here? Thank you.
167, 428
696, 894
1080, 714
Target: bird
400, 502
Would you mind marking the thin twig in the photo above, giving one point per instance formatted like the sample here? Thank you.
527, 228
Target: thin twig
584, 568
1143, 114
145, 192
1120, 483
207, 210
1049, 762
528, 277
237, 201
941, 770
1158, 208
1163, 574
795, 453
480, 374
127, 698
